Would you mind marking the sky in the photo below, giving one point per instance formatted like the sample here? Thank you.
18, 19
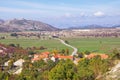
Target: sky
63, 13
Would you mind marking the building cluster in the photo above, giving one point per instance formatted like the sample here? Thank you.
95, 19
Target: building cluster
54, 57
47, 55
107, 32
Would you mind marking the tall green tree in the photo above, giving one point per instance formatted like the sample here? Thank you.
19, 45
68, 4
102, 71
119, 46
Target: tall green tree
83, 72
98, 65
64, 70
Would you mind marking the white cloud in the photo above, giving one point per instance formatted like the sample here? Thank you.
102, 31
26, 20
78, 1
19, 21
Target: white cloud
99, 14
68, 15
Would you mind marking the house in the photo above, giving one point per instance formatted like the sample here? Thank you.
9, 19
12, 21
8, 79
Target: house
18, 71
43, 55
76, 61
7, 63
53, 58
103, 56
2, 50
19, 63
63, 57
58, 57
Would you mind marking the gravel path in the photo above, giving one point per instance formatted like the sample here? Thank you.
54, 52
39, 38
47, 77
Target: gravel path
74, 48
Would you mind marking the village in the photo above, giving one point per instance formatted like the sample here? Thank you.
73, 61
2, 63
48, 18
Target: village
74, 33
17, 65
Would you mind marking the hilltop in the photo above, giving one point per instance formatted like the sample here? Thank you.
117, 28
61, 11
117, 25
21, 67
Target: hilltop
16, 25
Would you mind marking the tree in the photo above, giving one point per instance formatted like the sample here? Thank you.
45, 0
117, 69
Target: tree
4, 75
12, 45
42, 48
50, 64
87, 52
64, 70
39, 64
55, 52
10, 64
14, 34
31, 52
18, 45
66, 42
67, 51
80, 55
116, 54
98, 66
63, 51
83, 72
1, 75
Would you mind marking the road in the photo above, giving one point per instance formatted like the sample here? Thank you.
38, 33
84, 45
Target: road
74, 48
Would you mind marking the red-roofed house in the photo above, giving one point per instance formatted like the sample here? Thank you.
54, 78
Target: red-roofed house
43, 55
58, 56
103, 56
63, 57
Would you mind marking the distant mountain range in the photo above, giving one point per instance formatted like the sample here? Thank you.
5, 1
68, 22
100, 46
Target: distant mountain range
16, 25
1, 21
94, 27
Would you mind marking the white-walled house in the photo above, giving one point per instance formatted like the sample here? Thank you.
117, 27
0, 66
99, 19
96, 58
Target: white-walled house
53, 59
19, 62
6, 63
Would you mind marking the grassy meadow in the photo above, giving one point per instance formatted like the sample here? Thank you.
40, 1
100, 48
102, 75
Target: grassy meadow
25, 42
102, 45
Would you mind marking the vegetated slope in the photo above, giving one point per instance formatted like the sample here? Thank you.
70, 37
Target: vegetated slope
113, 74
24, 25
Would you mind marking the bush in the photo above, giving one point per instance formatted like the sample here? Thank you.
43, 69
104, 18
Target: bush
42, 48
31, 52
14, 34
87, 52
66, 42
12, 45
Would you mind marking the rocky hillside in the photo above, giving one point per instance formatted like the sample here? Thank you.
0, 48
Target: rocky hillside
113, 74
24, 25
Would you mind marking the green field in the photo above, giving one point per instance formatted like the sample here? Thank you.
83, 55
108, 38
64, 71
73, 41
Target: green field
102, 45
49, 44
25, 42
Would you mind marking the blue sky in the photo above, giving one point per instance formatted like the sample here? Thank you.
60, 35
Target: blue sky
63, 13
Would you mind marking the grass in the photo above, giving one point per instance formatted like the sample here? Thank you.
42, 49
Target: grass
102, 45
49, 44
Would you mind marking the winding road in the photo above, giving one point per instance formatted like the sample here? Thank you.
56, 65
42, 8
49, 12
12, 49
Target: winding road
74, 48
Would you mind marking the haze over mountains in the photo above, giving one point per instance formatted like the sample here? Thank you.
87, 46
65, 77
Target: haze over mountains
16, 25
24, 25
94, 26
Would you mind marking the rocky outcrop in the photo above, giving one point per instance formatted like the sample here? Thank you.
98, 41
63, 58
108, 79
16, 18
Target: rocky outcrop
113, 74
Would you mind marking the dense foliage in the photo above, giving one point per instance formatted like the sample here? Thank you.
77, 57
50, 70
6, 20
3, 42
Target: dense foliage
86, 69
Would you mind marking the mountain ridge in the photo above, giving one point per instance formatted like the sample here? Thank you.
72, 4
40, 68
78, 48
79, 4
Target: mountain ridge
15, 25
